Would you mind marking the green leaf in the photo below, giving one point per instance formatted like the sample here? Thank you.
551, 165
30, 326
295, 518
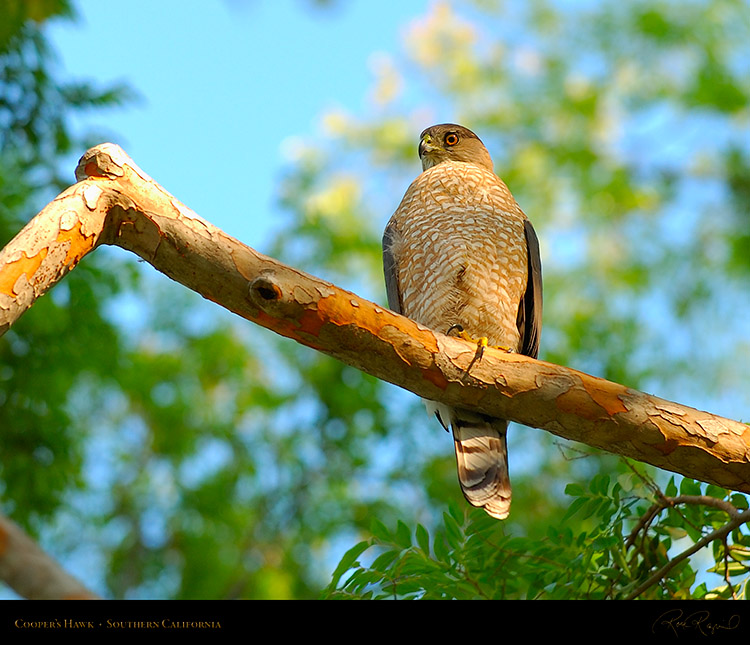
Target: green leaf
452, 531
575, 507
733, 568
403, 535
384, 560
457, 513
379, 530
423, 539
574, 490
590, 507
739, 553
348, 560
599, 484
716, 491
440, 549
700, 591
690, 487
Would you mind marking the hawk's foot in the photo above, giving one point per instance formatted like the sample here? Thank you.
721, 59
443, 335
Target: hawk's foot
480, 342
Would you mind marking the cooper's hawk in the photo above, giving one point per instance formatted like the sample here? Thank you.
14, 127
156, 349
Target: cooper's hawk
459, 254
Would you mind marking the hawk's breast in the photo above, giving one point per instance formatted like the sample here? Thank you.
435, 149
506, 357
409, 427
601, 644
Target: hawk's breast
461, 252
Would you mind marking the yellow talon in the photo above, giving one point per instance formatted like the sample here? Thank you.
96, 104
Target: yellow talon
481, 342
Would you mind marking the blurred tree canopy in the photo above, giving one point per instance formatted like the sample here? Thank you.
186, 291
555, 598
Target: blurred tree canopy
178, 453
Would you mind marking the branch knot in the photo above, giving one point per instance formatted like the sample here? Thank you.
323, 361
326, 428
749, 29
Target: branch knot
264, 290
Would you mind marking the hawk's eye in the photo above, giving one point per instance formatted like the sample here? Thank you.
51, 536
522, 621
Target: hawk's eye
451, 139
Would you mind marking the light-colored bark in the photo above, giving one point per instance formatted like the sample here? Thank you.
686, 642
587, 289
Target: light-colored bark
114, 202
30, 572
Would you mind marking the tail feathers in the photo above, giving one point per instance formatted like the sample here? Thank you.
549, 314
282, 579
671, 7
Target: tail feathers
482, 459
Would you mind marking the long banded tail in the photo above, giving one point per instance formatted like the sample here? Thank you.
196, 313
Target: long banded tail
482, 460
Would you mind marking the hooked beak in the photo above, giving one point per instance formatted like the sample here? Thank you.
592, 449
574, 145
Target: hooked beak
426, 145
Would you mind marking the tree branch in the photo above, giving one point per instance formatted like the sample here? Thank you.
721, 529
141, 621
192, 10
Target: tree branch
114, 202
718, 534
31, 572
670, 502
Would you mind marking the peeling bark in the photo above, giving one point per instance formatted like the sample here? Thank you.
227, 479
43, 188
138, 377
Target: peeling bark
114, 202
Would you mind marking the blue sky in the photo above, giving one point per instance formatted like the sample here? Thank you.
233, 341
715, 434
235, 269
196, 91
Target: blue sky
223, 85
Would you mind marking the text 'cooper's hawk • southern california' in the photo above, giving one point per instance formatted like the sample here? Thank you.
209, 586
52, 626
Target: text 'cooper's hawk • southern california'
459, 254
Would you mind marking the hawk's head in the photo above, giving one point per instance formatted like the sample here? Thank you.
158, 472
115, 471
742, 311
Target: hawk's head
451, 142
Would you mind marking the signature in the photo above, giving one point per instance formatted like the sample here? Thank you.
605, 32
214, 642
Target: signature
678, 622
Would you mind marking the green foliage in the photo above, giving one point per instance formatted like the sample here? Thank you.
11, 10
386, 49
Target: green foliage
42, 357
17, 14
601, 549
35, 105
197, 458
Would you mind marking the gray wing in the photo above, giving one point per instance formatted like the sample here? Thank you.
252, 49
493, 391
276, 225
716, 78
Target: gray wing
530, 310
390, 268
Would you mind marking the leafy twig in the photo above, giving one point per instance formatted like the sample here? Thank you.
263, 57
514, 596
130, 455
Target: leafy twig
718, 534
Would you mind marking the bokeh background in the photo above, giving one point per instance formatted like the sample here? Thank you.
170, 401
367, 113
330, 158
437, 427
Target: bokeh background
160, 448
